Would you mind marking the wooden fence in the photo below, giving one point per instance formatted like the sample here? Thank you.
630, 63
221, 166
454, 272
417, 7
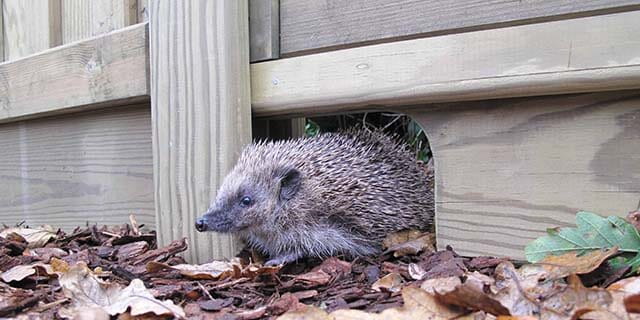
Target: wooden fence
113, 107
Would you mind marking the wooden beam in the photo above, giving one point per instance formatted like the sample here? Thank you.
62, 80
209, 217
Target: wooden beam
312, 26
448, 68
580, 55
264, 30
30, 26
79, 76
201, 112
506, 170
83, 19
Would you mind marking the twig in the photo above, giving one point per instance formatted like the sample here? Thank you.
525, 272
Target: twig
134, 225
205, 291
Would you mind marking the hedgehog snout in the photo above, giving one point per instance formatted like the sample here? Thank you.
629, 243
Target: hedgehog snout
214, 220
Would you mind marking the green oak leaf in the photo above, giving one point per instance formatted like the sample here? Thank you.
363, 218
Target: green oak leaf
591, 233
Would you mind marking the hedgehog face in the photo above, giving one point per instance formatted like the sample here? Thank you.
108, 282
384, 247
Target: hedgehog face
245, 201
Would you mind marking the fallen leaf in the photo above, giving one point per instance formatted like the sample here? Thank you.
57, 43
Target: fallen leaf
573, 263
471, 295
634, 218
416, 272
592, 232
45, 254
414, 244
391, 282
418, 304
442, 264
627, 292
215, 304
86, 290
313, 278
400, 237
333, 266
215, 270
283, 304
307, 313
35, 237
20, 272
440, 284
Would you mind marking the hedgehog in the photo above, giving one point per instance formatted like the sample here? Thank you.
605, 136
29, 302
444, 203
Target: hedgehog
315, 197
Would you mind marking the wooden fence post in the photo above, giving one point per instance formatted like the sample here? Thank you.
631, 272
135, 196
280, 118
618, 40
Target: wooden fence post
200, 98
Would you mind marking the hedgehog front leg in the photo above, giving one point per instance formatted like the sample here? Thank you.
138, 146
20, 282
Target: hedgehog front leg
284, 259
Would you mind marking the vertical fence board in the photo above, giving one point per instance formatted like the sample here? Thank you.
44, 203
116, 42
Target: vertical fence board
264, 29
143, 10
1, 34
200, 97
30, 26
82, 19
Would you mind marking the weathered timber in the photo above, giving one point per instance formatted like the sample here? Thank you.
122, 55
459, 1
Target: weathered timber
201, 112
580, 55
264, 30
1, 34
77, 76
311, 25
30, 26
506, 170
83, 19
65, 171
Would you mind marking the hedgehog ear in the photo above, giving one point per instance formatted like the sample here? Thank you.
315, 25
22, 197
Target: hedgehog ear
290, 180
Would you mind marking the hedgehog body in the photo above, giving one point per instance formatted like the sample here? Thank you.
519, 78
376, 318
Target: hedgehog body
336, 193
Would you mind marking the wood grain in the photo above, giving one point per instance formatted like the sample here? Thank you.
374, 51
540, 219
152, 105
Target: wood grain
143, 10
264, 30
580, 55
201, 112
77, 76
30, 26
310, 25
93, 167
1, 33
508, 169
83, 19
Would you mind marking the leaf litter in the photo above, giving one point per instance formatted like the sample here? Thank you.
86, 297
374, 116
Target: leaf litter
108, 272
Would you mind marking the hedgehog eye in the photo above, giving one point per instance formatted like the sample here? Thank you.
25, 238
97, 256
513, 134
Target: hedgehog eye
245, 201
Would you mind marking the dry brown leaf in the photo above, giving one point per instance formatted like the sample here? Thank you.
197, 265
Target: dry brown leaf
628, 285
574, 300
517, 289
471, 295
86, 290
45, 254
35, 237
437, 284
20, 272
307, 313
215, 270
400, 237
391, 282
634, 218
626, 295
572, 263
418, 304
313, 278
409, 242
333, 265
416, 271
59, 266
